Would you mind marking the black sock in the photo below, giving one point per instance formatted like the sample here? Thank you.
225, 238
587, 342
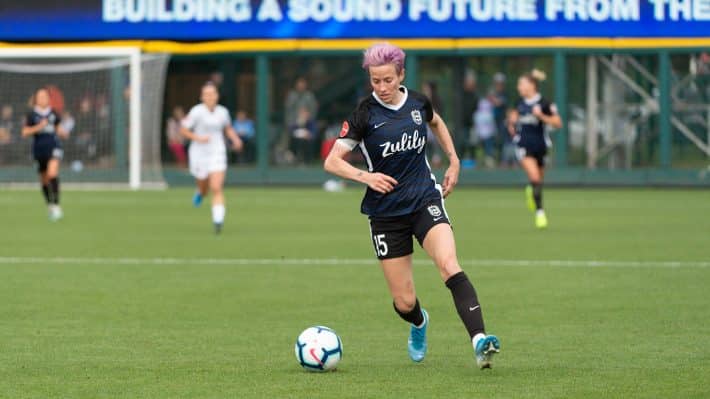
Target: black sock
45, 191
466, 303
54, 186
414, 316
537, 194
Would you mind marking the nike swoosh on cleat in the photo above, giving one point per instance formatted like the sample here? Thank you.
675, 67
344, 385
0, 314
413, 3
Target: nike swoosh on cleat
474, 308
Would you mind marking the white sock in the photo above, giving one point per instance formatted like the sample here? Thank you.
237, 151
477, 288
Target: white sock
218, 212
540, 212
477, 338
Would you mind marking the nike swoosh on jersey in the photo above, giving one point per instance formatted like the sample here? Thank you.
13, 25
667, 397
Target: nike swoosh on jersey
377, 126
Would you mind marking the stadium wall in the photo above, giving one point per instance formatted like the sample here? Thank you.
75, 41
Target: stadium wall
656, 34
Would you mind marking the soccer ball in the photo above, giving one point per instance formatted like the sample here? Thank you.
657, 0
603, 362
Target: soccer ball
318, 349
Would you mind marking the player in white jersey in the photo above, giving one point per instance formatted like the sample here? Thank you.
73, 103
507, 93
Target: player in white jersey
205, 126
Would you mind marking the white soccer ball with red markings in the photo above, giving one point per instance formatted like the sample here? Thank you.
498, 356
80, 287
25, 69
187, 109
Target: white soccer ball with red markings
319, 349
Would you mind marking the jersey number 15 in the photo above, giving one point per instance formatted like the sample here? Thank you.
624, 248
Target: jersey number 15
380, 245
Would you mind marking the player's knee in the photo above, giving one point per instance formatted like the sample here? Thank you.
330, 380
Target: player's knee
216, 189
535, 178
448, 266
405, 302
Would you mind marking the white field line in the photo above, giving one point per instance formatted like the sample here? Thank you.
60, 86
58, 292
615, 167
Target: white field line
16, 260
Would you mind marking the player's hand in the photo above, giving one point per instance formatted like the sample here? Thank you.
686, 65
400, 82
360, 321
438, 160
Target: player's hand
42, 124
537, 111
451, 178
238, 145
381, 183
201, 139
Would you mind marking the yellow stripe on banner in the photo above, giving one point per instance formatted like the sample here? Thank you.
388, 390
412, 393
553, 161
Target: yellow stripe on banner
295, 45
582, 43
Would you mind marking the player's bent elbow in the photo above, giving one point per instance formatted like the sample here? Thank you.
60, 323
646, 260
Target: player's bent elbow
328, 164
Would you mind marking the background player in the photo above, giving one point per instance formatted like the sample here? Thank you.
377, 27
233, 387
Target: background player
527, 124
403, 198
42, 123
205, 125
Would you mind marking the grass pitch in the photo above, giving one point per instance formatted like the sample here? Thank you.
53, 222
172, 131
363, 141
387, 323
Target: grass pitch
132, 296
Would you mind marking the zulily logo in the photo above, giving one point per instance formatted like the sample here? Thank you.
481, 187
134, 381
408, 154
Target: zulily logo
408, 142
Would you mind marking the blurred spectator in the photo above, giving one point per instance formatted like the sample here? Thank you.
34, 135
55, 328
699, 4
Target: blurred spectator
466, 140
217, 78
102, 132
7, 125
484, 125
704, 64
300, 98
84, 141
430, 90
8, 150
303, 134
508, 155
500, 104
68, 122
246, 131
176, 141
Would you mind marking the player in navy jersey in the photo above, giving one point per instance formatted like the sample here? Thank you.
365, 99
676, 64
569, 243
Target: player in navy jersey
42, 124
403, 198
527, 126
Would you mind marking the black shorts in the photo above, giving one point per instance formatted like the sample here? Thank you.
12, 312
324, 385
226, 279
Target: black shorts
392, 236
43, 156
533, 151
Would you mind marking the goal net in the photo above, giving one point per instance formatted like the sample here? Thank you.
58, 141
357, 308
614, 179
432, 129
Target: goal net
110, 101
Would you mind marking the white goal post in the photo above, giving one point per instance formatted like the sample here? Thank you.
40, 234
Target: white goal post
72, 61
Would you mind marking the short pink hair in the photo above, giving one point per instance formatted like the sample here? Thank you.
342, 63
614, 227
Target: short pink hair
382, 54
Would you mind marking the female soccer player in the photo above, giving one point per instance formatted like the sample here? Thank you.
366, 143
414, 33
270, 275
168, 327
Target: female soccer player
205, 126
526, 123
403, 198
43, 124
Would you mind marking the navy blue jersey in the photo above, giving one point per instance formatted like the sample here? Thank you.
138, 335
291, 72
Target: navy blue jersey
393, 140
531, 129
45, 140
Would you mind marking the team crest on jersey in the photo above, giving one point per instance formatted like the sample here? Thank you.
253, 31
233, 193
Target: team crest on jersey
417, 117
434, 211
344, 130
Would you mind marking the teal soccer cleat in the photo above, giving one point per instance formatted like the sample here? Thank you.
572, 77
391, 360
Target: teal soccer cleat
416, 344
197, 199
485, 348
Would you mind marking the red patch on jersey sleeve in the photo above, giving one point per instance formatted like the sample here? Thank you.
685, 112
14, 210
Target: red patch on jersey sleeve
344, 130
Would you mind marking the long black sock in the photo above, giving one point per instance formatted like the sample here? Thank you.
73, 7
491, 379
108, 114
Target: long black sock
414, 316
466, 303
54, 186
537, 195
45, 191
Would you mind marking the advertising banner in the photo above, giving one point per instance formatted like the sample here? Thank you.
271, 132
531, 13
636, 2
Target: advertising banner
49, 20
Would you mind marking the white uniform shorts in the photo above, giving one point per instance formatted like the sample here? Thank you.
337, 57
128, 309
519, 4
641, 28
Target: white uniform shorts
202, 164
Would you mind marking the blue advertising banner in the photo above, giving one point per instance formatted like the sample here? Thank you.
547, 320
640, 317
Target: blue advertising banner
48, 20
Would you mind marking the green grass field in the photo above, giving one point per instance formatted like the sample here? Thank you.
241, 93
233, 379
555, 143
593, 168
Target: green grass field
132, 296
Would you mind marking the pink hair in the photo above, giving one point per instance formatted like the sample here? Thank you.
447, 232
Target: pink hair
382, 54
